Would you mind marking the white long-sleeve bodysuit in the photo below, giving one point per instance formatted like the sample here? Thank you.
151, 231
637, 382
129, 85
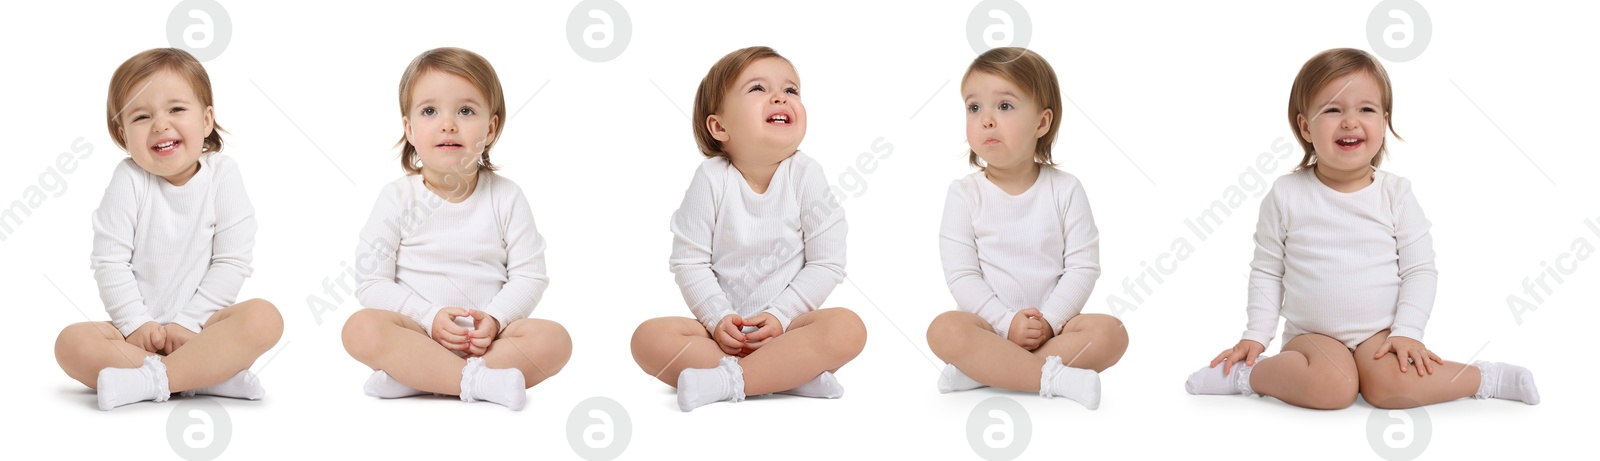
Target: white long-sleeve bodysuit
1003, 253
172, 254
735, 251
419, 253
1345, 265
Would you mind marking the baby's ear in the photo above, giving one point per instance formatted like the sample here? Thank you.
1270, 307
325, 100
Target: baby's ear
714, 125
494, 129
1044, 124
211, 121
1305, 127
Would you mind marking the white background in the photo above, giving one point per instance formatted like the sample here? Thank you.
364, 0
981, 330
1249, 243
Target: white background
1171, 101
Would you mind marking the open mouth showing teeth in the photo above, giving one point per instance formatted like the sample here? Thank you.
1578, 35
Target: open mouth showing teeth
779, 118
1347, 142
165, 145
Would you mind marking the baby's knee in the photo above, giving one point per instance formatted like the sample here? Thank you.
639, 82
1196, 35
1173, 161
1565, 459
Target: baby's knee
1107, 330
360, 332
946, 329
546, 333
73, 340
1388, 389
1332, 392
264, 319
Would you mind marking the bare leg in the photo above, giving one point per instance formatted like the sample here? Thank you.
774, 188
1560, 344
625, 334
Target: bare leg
394, 343
1384, 386
1088, 341
84, 348
1312, 371
970, 343
229, 342
817, 341
664, 346
540, 348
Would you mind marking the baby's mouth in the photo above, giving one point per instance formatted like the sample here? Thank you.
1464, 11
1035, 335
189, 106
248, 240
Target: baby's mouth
1349, 142
166, 147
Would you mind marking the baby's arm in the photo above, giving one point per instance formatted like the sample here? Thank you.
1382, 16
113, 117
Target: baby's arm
958, 251
231, 244
525, 270
112, 256
379, 243
1081, 254
692, 230
822, 230
1419, 280
1266, 272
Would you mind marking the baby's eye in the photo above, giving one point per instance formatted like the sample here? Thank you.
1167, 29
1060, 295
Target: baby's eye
757, 88
141, 117
179, 109
793, 91
1331, 110
1369, 109
1006, 106
428, 111
972, 108
465, 111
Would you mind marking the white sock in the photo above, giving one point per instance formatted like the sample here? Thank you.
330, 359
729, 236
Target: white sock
823, 386
243, 385
1077, 384
700, 386
116, 387
1506, 381
504, 386
952, 380
1211, 381
383, 386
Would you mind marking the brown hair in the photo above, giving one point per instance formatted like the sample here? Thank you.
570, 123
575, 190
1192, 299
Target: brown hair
1029, 71
715, 86
461, 63
1322, 70
150, 62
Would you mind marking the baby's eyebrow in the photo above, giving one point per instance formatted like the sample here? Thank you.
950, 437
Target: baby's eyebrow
1001, 93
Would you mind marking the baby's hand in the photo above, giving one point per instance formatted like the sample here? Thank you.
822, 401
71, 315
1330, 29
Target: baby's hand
767, 327
728, 334
177, 336
1409, 352
1246, 350
486, 328
1027, 329
446, 332
151, 337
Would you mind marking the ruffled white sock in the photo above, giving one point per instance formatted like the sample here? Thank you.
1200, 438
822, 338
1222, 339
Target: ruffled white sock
1506, 381
1211, 381
700, 386
823, 386
951, 379
383, 386
504, 386
1077, 384
243, 385
116, 387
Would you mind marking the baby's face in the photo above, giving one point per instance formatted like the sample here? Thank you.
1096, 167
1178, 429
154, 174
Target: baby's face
450, 125
1346, 121
762, 119
165, 126
1003, 124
